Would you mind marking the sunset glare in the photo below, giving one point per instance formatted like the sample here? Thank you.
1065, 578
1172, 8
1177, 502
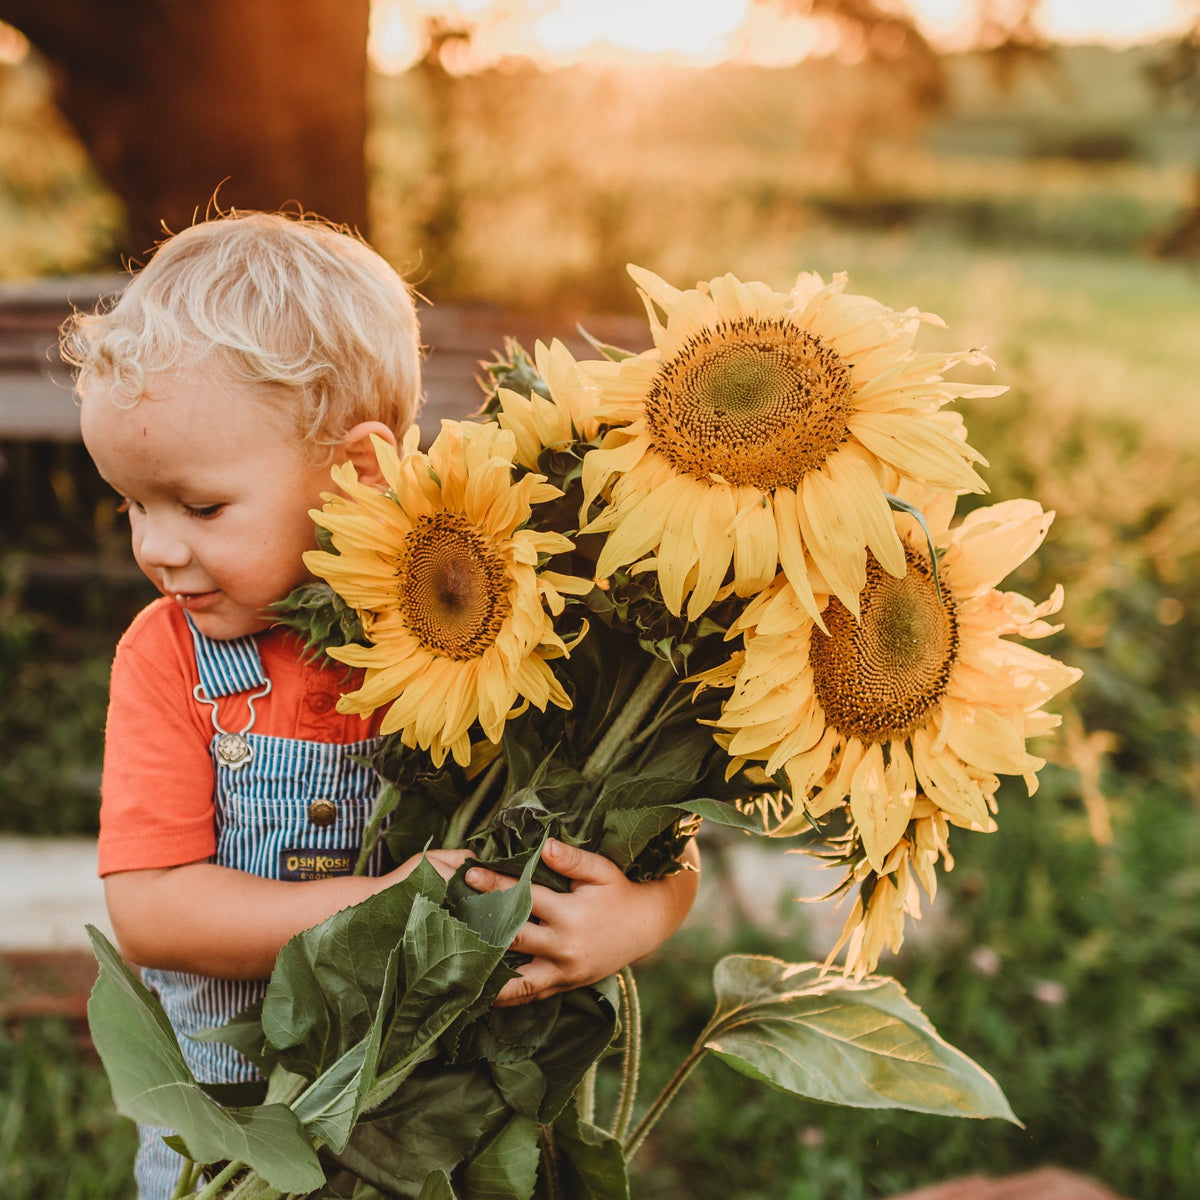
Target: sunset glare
702, 32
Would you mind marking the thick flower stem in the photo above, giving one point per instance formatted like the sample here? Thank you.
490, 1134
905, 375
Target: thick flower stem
213, 1188
188, 1178
631, 1059
384, 805
631, 1144
659, 674
549, 1163
461, 821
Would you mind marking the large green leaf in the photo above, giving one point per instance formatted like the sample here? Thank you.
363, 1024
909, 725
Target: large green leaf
496, 917
591, 1165
860, 1043
434, 1122
151, 1083
506, 1168
538, 1053
245, 1034
437, 1187
328, 981
628, 831
446, 967
329, 1107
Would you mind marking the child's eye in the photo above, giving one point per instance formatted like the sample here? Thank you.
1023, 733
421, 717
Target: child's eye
128, 505
204, 512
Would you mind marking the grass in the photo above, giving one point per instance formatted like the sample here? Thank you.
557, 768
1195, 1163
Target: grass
59, 1135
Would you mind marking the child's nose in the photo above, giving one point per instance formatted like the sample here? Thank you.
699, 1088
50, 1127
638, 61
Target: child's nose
160, 544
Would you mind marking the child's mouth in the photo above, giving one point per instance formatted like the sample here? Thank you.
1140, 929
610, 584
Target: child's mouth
194, 600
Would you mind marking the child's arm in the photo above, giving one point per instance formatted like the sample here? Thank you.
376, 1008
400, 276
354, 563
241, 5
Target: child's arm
602, 924
214, 920
218, 921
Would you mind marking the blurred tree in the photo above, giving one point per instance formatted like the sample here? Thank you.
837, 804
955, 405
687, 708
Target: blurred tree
1008, 32
173, 97
1177, 74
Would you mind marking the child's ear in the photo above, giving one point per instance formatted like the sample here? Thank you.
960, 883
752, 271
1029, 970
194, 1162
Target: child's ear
356, 448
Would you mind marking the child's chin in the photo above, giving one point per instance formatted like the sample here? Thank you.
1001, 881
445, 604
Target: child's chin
226, 627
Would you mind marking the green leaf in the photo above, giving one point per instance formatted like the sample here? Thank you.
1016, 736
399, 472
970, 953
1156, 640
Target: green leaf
506, 1168
151, 1083
446, 967
496, 917
329, 1107
539, 1052
859, 1043
590, 1163
583, 1029
722, 812
328, 981
245, 1034
615, 353
628, 831
903, 506
437, 1187
434, 1122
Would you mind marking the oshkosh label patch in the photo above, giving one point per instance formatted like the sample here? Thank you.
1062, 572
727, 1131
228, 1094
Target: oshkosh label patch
316, 864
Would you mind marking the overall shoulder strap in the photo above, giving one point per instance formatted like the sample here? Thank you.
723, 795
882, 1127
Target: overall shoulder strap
226, 667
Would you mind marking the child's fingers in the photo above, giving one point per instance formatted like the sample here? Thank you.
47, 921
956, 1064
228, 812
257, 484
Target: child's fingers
537, 980
483, 880
582, 866
538, 941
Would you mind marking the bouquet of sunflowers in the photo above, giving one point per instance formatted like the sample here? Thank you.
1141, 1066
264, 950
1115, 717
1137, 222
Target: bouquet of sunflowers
720, 580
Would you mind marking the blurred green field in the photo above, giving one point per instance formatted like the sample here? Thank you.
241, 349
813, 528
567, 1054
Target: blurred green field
1067, 952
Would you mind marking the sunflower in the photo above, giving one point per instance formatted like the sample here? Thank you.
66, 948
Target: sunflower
762, 432
559, 422
455, 607
907, 713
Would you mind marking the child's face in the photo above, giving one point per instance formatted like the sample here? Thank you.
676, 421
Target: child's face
218, 487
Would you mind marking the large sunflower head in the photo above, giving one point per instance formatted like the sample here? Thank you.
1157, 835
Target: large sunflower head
911, 711
446, 580
763, 432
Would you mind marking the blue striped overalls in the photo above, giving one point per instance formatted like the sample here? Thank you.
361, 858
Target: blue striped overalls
279, 813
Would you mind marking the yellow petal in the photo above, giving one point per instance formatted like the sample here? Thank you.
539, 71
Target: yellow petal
881, 816
834, 537
916, 448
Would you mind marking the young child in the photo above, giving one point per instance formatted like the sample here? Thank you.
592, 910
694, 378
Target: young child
251, 354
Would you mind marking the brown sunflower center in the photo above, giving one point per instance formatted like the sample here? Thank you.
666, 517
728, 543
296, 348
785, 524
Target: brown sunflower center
453, 586
758, 402
879, 678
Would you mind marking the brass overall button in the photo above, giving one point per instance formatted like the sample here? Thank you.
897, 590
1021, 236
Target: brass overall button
322, 812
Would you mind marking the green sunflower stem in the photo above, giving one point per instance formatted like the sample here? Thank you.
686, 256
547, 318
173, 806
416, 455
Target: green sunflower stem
188, 1178
386, 802
216, 1185
631, 1144
456, 831
613, 744
631, 1059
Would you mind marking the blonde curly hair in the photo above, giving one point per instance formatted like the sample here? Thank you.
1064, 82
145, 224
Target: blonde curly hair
296, 304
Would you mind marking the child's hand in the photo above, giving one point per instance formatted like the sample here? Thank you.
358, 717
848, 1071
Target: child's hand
602, 924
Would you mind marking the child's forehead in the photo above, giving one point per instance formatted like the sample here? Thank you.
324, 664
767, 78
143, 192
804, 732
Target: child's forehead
191, 413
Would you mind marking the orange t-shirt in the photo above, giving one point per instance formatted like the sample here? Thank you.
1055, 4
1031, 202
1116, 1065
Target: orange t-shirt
156, 794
